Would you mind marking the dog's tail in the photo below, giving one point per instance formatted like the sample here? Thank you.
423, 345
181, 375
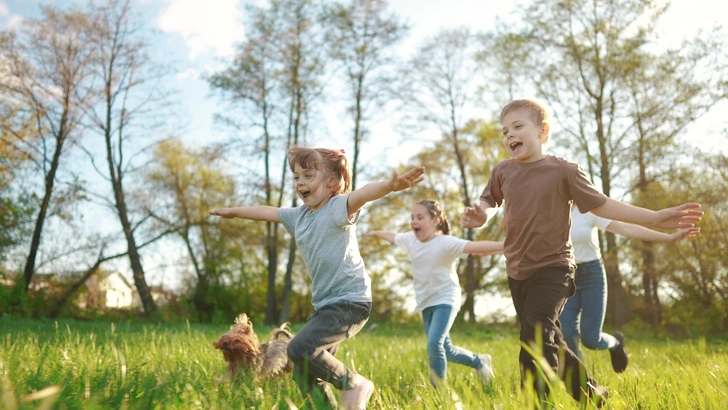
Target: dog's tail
282, 332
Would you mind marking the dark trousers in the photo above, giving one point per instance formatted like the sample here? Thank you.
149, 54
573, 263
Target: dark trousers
313, 348
539, 301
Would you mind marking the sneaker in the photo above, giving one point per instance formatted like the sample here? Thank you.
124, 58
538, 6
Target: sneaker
486, 372
619, 354
358, 397
598, 394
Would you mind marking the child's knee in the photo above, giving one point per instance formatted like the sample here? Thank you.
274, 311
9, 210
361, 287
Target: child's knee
435, 347
296, 350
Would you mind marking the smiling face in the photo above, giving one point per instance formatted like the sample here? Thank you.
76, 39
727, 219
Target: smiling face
522, 138
423, 224
311, 186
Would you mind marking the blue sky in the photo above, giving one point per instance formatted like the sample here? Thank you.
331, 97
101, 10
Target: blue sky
197, 36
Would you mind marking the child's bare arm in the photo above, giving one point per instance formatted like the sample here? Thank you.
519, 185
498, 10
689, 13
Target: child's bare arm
255, 213
477, 215
647, 234
484, 248
376, 190
387, 236
682, 216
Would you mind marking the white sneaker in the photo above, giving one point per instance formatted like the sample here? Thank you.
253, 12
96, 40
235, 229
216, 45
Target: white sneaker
486, 372
358, 397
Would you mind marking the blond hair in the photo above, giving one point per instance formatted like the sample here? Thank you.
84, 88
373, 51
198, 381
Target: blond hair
329, 161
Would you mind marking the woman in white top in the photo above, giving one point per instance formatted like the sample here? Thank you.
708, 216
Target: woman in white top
433, 254
583, 314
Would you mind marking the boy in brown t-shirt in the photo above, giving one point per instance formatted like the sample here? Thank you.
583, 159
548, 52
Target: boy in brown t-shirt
538, 190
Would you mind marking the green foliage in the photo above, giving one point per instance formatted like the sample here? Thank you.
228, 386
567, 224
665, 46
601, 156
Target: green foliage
692, 274
112, 365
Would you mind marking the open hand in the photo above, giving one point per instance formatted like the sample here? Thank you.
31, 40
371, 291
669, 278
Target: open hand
683, 234
223, 212
407, 180
678, 217
473, 217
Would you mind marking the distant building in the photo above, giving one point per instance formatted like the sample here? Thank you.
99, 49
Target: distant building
103, 290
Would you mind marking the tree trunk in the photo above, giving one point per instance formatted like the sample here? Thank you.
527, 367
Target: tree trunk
617, 296
40, 221
288, 283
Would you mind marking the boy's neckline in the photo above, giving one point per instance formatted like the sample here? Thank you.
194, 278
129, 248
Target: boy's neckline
531, 162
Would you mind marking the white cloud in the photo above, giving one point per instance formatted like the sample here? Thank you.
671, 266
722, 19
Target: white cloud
188, 73
14, 21
3, 8
205, 27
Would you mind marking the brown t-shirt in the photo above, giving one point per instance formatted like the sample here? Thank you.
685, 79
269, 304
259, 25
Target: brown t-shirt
537, 214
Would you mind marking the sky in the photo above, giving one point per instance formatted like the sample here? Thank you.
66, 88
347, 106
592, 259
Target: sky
197, 37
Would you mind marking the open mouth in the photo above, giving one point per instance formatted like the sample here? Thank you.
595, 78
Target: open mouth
304, 194
515, 146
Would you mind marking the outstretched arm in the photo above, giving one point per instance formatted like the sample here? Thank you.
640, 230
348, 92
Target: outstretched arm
484, 248
387, 236
646, 234
683, 216
376, 190
477, 215
255, 213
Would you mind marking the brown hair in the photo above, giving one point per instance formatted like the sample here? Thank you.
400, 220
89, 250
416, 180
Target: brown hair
435, 211
327, 160
538, 112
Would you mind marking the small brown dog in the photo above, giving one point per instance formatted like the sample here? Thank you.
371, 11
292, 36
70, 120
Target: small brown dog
243, 352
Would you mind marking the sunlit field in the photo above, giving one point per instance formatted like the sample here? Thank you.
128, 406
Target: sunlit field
71, 364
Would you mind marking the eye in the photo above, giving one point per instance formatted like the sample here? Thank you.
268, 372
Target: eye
519, 126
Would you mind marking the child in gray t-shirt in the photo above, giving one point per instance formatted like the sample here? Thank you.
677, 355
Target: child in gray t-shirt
324, 228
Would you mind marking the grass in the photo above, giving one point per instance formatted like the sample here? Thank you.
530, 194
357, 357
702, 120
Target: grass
93, 365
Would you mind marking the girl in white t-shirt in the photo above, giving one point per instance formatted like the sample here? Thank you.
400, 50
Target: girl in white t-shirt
433, 254
583, 314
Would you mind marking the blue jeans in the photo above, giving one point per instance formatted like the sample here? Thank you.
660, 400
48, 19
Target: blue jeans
438, 320
583, 314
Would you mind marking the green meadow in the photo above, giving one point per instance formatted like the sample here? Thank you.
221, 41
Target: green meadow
69, 364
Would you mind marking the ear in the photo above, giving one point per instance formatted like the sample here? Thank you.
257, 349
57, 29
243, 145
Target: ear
331, 181
544, 130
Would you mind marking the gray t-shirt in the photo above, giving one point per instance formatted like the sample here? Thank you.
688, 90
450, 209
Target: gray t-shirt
328, 244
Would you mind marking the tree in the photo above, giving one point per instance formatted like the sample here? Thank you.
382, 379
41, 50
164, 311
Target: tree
15, 207
46, 71
669, 92
688, 287
440, 90
275, 79
189, 183
586, 59
129, 90
361, 37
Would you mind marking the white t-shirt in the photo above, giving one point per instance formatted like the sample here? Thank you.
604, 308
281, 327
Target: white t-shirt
584, 235
433, 268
